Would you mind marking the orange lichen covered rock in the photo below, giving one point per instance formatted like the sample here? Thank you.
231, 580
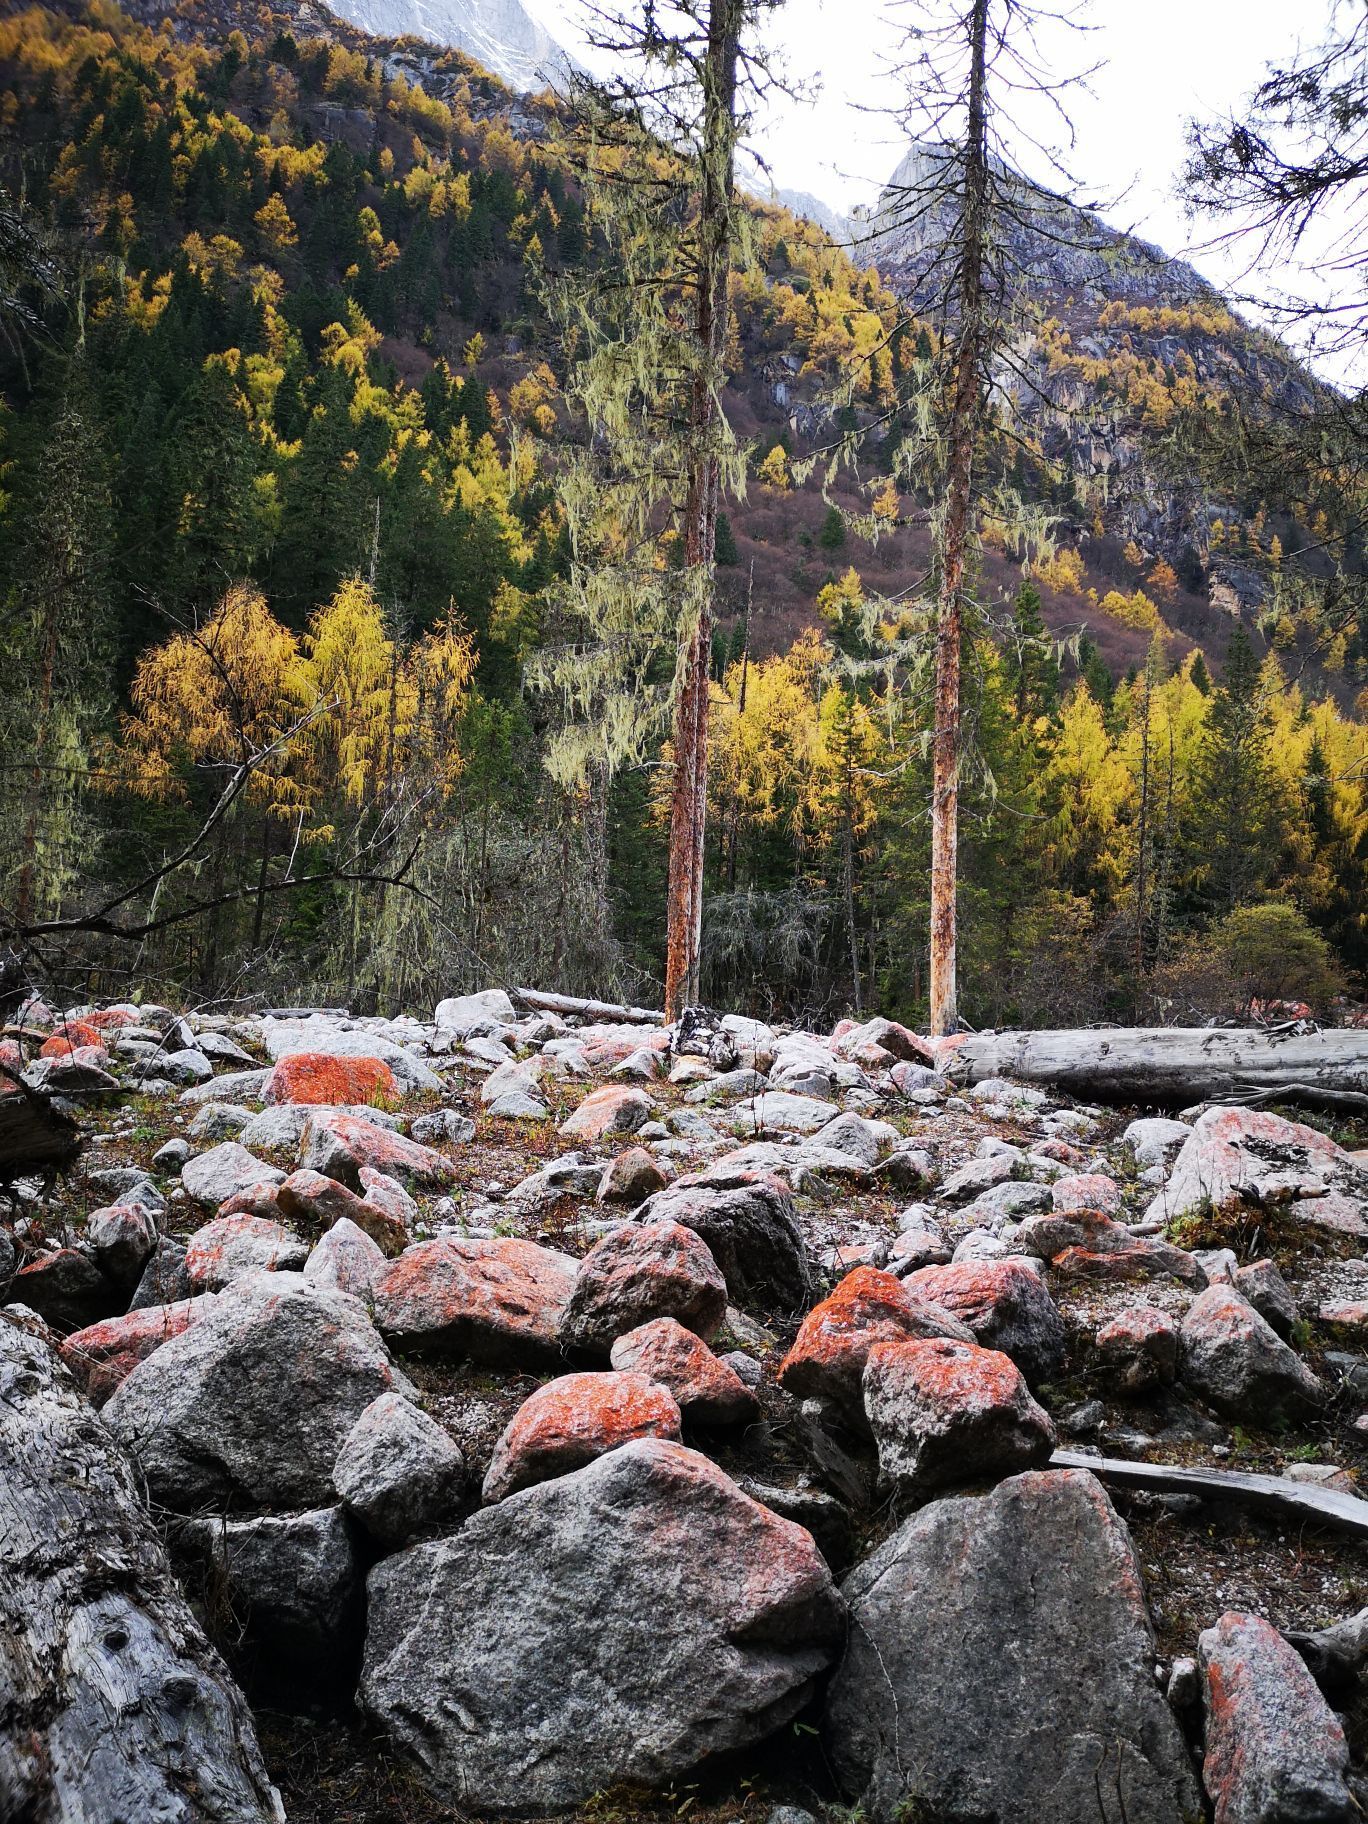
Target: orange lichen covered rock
110, 1019
340, 1145
103, 1355
614, 1109
309, 1197
1274, 1747
640, 1271
945, 1412
869, 1306
706, 1390
570, 1421
74, 1035
498, 1301
316, 1078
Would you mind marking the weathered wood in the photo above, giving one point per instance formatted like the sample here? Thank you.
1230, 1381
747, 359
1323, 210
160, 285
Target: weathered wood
589, 1010
34, 1136
113, 1705
1173, 1066
1298, 1500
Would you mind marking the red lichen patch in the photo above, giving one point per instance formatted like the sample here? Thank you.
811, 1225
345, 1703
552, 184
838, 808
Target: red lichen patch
11, 1056
944, 1412
1347, 1314
498, 1301
707, 1390
102, 1356
309, 1197
315, 1078
1139, 1261
230, 1246
1087, 1191
257, 1200
827, 1360
640, 1271
72, 1036
1268, 1729
1006, 1306
1140, 1347
340, 1145
570, 1421
110, 1019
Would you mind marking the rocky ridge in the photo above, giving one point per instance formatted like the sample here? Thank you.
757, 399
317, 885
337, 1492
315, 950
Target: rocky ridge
572, 1405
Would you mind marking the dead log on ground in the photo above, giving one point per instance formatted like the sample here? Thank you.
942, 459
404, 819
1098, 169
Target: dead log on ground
1175, 1066
112, 1702
1291, 1500
589, 1010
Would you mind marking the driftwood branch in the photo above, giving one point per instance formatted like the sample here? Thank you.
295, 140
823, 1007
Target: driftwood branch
112, 1702
1298, 1500
1174, 1066
589, 1010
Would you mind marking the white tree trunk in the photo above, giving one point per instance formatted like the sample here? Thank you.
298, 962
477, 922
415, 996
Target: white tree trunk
114, 1708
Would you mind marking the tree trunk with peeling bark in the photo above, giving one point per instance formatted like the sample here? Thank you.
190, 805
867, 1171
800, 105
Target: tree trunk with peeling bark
689, 797
965, 415
113, 1705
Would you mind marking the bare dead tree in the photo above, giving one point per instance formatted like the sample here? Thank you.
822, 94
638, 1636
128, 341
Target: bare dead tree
965, 211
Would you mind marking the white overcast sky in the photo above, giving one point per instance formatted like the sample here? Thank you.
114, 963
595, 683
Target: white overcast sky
1163, 61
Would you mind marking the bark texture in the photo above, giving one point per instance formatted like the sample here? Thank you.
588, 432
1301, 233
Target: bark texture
689, 798
1173, 1066
114, 1708
965, 413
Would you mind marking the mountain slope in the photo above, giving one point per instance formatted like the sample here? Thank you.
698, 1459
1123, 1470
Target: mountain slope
500, 34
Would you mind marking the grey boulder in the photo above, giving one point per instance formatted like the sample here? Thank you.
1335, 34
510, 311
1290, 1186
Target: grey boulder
1000, 1666
398, 1472
250, 1405
626, 1622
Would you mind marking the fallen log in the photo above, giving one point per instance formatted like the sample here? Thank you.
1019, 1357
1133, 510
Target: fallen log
589, 1010
112, 1702
1174, 1066
1297, 1500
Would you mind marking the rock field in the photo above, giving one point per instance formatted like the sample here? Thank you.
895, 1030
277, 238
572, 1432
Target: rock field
533, 1416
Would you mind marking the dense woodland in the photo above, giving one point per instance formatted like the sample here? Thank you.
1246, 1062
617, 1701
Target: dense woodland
285, 568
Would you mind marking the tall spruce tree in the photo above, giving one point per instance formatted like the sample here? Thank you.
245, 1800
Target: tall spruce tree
1237, 808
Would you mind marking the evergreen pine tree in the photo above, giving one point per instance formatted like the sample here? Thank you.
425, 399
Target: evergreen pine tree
1236, 818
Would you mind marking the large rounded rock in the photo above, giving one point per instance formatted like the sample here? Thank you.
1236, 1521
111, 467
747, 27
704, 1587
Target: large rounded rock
1005, 1304
1275, 1752
317, 1077
250, 1405
230, 1247
1000, 1665
572, 1420
752, 1230
624, 1623
828, 1357
944, 1412
641, 1271
212, 1178
1236, 1360
341, 1146
499, 1301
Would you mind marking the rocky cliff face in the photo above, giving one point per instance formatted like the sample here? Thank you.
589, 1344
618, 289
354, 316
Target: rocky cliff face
500, 34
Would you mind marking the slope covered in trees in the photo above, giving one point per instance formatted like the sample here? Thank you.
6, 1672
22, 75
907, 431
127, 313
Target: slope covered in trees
279, 482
